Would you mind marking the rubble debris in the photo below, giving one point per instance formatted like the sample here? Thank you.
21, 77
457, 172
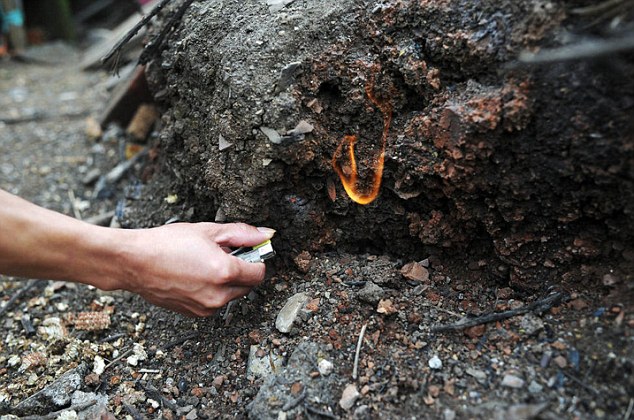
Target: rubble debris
274, 394
55, 396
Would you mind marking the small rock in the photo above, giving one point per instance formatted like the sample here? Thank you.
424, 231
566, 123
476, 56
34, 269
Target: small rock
560, 361
531, 324
287, 75
505, 293
303, 261
349, 397
138, 354
535, 388
476, 331
91, 177
386, 306
435, 363
192, 415
448, 414
262, 366
273, 136
371, 293
512, 381
92, 379
99, 365
525, 411
415, 271
303, 127
289, 313
479, 375
98, 410
362, 412
223, 144
325, 367
218, 380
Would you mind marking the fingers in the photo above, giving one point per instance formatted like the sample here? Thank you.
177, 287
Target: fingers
242, 273
240, 234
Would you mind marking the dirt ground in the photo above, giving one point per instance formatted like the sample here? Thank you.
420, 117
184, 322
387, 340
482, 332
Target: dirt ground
574, 360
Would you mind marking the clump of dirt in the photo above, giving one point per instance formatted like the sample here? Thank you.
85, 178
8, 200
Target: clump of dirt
530, 164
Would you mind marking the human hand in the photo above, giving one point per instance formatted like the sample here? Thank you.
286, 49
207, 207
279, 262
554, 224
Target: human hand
183, 266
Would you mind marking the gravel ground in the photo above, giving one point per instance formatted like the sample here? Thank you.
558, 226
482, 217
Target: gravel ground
113, 353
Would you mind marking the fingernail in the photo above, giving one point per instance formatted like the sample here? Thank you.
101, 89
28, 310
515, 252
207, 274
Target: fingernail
268, 231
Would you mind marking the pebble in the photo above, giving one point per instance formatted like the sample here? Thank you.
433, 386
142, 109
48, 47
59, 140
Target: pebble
349, 397
476, 373
262, 366
560, 361
435, 363
531, 324
325, 367
192, 415
289, 313
371, 293
535, 388
415, 271
273, 136
512, 381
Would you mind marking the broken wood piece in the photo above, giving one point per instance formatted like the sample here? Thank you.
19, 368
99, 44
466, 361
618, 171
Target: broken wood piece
143, 121
127, 97
537, 306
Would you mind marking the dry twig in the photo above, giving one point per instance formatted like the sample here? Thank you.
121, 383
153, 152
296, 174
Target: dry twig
152, 47
50, 416
356, 353
132, 32
28, 286
537, 306
582, 50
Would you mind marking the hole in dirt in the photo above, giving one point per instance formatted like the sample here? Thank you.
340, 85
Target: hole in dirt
329, 91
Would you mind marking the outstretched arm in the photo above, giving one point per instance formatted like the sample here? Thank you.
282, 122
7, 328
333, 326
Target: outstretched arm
180, 266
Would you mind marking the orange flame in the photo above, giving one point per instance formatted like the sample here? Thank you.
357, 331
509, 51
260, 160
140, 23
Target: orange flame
349, 177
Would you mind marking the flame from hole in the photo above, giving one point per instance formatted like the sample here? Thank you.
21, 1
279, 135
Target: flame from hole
350, 177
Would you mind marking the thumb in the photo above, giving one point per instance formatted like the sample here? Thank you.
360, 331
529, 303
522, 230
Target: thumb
240, 234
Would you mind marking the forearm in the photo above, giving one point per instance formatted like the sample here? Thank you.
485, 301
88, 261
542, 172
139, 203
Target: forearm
40, 243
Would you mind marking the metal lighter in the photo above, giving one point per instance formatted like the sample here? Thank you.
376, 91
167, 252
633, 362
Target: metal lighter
258, 253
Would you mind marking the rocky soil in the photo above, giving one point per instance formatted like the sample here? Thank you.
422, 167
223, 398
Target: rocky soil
289, 349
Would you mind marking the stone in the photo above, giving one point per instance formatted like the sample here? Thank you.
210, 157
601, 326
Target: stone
290, 312
55, 396
325, 367
479, 375
192, 415
435, 363
223, 144
560, 361
349, 397
512, 381
95, 411
303, 127
535, 388
371, 293
262, 366
531, 324
415, 271
272, 134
